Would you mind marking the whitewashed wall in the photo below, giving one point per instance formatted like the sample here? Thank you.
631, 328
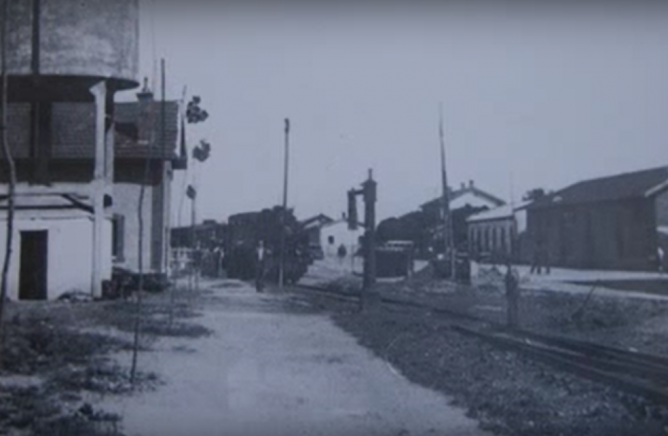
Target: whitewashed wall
342, 235
70, 246
126, 200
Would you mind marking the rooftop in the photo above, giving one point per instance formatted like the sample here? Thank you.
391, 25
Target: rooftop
637, 184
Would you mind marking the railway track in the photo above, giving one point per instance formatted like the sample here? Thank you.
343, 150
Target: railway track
637, 373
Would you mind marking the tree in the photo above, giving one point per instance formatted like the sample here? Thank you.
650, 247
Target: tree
201, 152
534, 194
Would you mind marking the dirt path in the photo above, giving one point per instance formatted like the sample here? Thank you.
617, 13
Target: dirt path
269, 371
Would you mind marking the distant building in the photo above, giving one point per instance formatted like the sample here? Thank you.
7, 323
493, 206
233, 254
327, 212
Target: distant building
499, 234
464, 202
209, 238
466, 196
337, 233
612, 222
313, 227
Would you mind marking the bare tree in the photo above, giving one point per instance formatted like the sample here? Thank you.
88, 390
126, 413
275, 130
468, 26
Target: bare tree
10, 164
140, 219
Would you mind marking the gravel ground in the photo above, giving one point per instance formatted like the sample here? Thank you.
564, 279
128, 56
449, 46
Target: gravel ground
509, 393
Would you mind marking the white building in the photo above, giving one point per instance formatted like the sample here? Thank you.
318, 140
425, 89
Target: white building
337, 233
498, 232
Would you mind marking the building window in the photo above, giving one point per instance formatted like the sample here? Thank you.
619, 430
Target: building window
330, 240
118, 238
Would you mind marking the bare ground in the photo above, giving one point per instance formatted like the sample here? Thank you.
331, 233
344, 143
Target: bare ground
56, 354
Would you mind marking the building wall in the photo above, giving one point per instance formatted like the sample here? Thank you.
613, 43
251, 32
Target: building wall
70, 249
160, 222
342, 235
126, 200
614, 235
661, 208
493, 237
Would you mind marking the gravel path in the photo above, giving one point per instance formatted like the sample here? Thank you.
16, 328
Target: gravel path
274, 367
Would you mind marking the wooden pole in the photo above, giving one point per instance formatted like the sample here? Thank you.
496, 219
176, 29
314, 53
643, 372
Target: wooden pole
100, 92
286, 167
448, 236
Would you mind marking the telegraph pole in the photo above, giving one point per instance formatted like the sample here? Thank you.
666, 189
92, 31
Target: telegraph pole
286, 164
369, 188
448, 234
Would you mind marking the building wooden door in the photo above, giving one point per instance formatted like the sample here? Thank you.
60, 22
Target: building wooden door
34, 265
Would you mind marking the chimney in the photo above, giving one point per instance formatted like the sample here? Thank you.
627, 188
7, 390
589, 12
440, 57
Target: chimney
471, 184
463, 186
145, 95
145, 115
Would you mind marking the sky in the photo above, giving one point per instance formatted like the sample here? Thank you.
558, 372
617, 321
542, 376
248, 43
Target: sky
532, 97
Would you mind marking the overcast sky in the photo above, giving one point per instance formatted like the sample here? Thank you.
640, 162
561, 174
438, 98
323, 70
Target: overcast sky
549, 96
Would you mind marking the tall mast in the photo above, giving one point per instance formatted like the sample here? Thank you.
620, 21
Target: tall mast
448, 239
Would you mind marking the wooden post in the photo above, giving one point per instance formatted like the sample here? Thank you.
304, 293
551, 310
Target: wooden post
448, 232
99, 91
286, 164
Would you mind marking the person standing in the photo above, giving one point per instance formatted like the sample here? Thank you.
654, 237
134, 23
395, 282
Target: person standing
512, 297
535, 258
260, 267
660, 255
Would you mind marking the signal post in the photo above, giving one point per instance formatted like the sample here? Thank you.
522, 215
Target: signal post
369, 196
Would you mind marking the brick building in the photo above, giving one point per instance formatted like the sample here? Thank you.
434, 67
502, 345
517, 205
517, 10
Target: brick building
612, 222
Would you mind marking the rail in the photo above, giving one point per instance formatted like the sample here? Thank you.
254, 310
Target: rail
637, 373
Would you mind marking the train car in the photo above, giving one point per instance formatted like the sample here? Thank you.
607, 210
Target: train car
244, 233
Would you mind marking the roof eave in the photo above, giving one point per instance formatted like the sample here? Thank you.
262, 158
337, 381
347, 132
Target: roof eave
657, 189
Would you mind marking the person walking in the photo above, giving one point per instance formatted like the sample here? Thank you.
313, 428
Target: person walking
342, 252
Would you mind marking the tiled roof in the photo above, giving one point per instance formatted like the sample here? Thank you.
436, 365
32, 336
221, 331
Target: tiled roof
498, 213
316, 221
620, 187
129, 134
474, 190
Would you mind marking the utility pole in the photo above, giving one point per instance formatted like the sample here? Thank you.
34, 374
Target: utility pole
191, 192
286, 164
369, 188
448, 234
